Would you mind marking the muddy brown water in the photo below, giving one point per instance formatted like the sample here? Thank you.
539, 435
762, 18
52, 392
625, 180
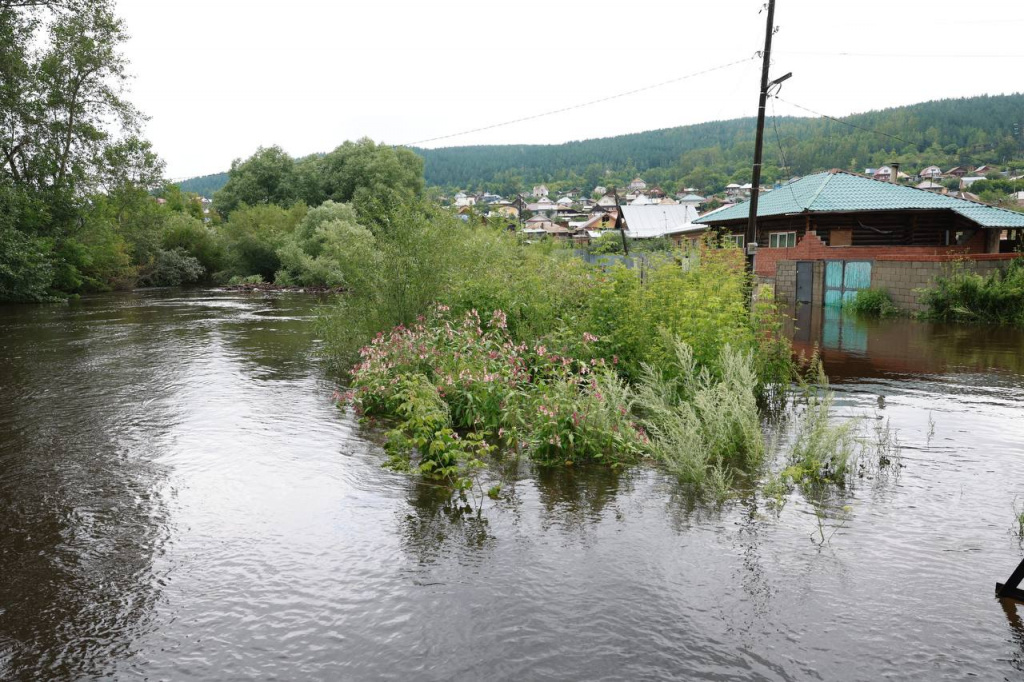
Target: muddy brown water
180, 500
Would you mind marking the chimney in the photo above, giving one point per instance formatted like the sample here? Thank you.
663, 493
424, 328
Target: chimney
895, 178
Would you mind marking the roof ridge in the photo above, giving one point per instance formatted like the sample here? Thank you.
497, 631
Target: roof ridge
828, 178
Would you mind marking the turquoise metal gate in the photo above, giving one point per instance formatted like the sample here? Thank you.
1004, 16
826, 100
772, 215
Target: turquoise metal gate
843, 279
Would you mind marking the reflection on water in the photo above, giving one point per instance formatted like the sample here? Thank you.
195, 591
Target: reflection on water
855, 347
180, 499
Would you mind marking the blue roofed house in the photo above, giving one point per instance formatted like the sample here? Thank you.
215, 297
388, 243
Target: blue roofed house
824, 237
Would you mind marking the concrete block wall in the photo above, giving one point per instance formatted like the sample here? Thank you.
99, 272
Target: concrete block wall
904, 279
785, 281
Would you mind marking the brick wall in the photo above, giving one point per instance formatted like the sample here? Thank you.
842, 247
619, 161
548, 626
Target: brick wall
810, 247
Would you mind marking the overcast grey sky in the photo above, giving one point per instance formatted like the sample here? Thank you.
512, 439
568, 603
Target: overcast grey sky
221, 77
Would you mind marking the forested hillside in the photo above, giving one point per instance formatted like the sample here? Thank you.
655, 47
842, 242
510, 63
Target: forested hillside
204, 185
710, 155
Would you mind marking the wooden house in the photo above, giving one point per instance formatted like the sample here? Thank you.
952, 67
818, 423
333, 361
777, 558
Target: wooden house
842, 222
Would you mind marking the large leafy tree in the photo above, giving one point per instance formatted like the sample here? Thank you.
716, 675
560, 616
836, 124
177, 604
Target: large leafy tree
59, 105
67, 132
266, 177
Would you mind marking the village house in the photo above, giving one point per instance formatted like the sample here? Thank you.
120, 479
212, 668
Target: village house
655, 220
637, 185
930, 173
539, 191
544, 204
828, 235
931, 186
540, 225
690, 199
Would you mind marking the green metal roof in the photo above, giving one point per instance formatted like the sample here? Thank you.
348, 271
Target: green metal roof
842, 192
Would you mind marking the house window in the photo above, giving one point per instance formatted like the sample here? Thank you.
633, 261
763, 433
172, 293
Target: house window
781, 240
735, 239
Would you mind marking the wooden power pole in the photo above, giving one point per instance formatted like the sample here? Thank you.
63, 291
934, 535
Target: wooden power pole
755, 182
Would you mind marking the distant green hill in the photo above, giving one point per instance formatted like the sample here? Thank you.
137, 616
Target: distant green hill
204, 185
975, 130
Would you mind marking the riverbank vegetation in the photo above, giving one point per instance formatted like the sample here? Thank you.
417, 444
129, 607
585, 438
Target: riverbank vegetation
963, 296
871, 303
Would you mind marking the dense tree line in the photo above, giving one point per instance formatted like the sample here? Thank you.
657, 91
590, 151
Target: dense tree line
74, 174
84, 207
204, 185
708, 156
372, 177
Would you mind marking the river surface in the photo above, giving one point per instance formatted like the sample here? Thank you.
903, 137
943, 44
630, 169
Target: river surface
181, 500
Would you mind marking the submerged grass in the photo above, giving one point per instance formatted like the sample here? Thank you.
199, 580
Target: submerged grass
872, 303
963, 296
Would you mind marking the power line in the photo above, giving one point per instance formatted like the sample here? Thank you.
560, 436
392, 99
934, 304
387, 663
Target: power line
845, 123
890, 55
581, 105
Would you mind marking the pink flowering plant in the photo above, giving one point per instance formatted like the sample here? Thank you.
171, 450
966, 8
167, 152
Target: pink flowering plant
456, 388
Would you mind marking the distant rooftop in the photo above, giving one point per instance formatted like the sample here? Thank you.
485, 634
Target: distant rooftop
839, 191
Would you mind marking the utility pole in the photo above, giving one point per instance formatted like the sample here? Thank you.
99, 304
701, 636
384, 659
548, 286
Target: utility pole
619, 220
751, 238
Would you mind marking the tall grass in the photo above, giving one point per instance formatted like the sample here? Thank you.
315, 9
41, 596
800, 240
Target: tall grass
963, 296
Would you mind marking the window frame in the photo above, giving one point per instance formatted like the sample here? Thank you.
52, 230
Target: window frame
777, 238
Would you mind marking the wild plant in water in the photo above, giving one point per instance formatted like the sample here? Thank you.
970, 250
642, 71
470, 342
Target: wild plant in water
702, 428
1018, 517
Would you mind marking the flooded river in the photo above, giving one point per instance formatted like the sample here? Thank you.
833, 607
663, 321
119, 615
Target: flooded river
180, 500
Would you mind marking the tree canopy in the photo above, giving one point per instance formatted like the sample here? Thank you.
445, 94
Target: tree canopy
363, 173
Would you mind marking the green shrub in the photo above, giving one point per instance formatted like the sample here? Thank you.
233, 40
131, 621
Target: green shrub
702, 428
184, 232
26, 270
962, 296
871, 303
171, 268
329, 247
254, 235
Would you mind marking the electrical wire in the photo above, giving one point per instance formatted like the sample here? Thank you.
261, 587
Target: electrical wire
581, 105
782, 153
845, 123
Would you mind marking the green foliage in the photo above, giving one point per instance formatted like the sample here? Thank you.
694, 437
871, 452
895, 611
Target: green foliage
872, 303
26, 272
374, 178
822, 452
610, 241
238, 280
329, 247
206, 185
704, 429
266, 177
710, 155
963, 296
254, 235
464, 374
202, 243
171, 268
705, 307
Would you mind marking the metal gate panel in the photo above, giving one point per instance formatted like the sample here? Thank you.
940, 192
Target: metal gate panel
857, 275
843, 279
834, 274
804, 281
